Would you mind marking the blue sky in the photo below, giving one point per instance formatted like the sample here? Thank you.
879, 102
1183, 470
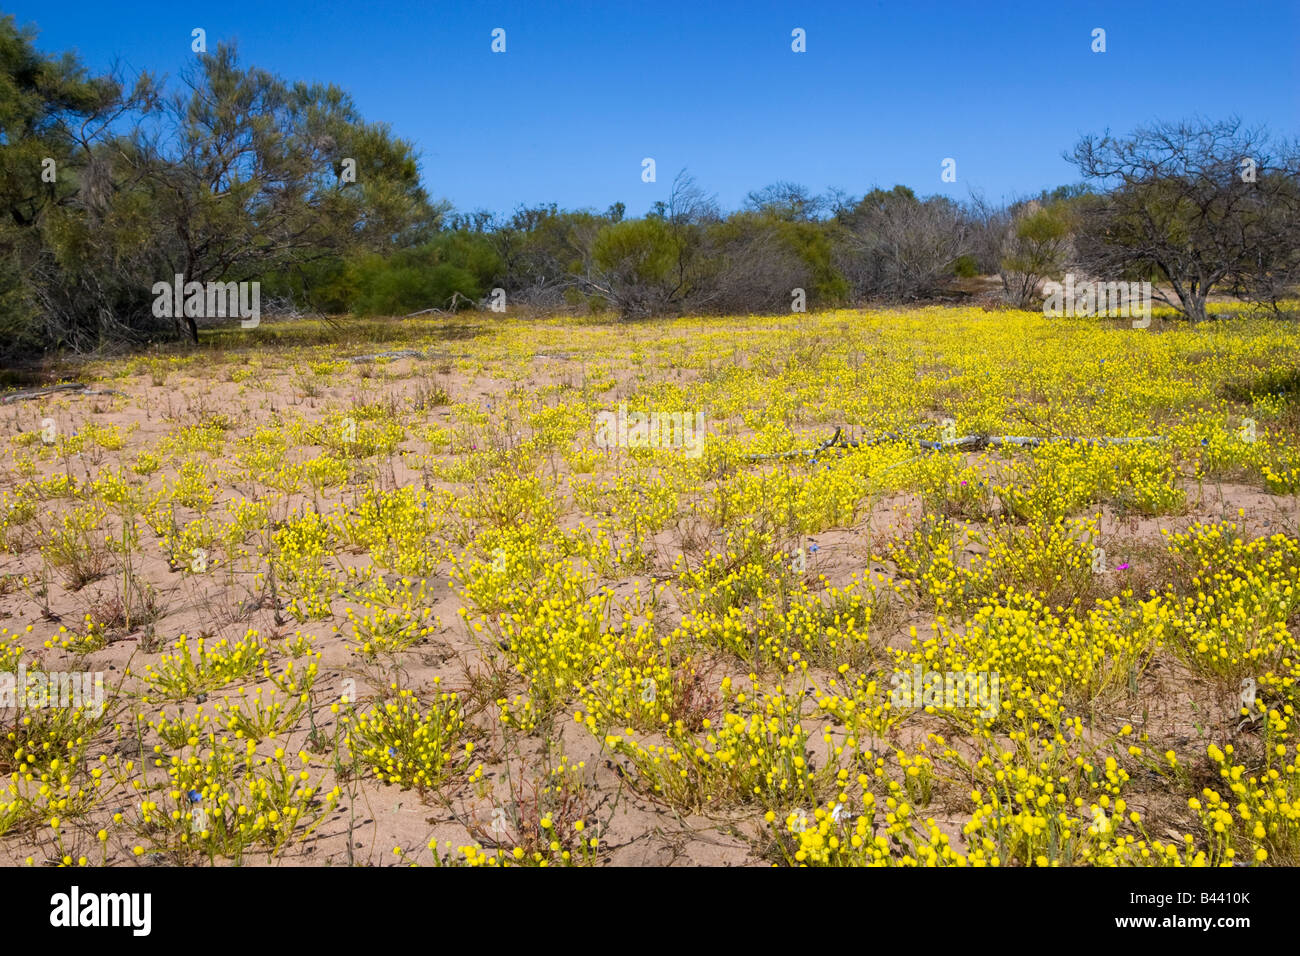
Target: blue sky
585, 91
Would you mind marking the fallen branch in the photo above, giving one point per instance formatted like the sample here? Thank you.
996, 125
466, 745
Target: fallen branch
835, 441
456, 299
986, 441
78, 387
974, 442
398, 353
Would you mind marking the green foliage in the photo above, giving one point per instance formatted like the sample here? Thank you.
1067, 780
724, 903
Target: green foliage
455, 265
386, 287
641, 249
1036, 248
812, 244
244, 183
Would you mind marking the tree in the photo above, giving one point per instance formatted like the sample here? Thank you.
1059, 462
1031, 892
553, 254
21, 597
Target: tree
54, 120
901, 247
786, 201
635, 267
544, 252
1192, 203
1035, 248
249, 175
1270, 273
237, 176
655, 265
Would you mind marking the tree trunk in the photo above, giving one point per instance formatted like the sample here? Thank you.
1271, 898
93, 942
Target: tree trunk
1194, 305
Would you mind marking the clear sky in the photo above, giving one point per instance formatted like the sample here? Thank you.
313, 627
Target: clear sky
585, 90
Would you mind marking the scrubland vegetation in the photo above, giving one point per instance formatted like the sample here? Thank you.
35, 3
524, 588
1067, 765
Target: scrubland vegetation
112, 184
